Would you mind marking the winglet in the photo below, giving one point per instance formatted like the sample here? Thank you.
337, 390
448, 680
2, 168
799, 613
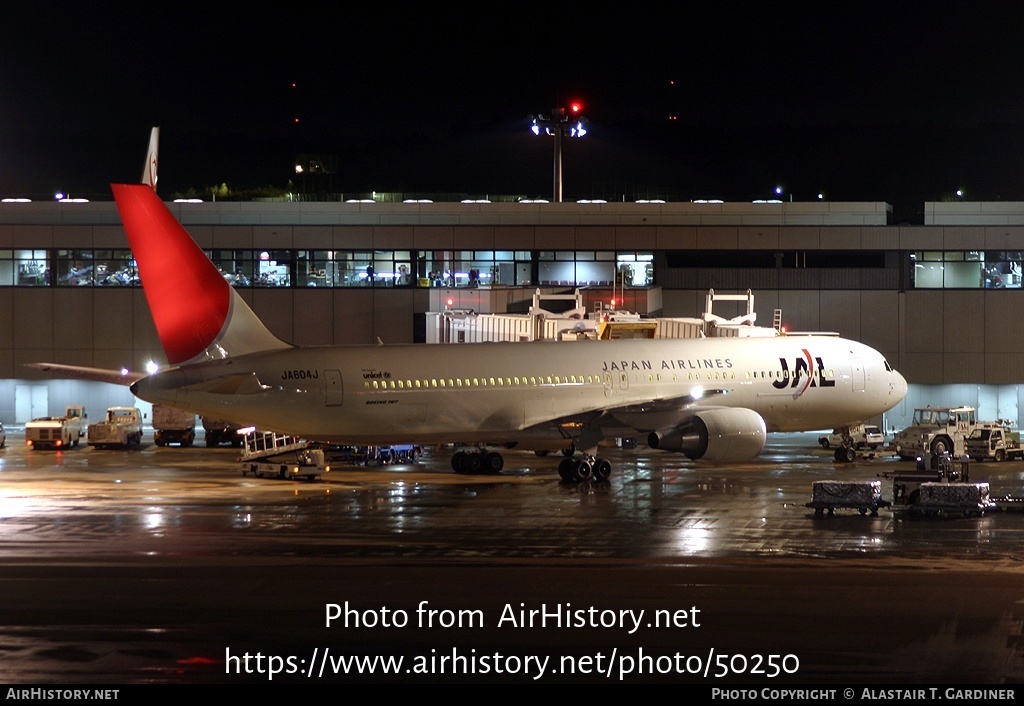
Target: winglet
198, 315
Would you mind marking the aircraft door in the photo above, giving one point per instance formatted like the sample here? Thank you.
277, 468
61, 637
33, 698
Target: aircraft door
334, 392
857, 373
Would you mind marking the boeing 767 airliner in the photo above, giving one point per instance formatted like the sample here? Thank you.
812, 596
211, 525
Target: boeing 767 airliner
709, 398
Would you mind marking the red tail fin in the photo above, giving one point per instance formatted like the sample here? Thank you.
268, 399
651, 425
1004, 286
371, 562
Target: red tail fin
197, 313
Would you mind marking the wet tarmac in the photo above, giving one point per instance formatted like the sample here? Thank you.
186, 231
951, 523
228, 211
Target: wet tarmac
167, 565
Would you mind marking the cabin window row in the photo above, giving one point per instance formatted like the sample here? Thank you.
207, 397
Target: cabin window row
534, 380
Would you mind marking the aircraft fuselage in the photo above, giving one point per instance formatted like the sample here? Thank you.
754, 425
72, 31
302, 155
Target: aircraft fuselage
491, 391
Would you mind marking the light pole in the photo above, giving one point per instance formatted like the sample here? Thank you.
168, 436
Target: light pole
559, 123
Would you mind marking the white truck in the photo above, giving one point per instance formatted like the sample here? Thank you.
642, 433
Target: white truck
57, 432
860, 436
121, 429
173, 426
938, 430
996, 444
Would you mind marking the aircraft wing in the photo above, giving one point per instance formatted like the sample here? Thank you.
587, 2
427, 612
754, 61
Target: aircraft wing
695, 424
663, 413
589, 428
115, 377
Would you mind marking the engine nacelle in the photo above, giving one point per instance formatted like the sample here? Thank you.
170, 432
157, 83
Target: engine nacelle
716, 435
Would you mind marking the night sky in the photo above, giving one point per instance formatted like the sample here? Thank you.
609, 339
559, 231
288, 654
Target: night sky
866, 104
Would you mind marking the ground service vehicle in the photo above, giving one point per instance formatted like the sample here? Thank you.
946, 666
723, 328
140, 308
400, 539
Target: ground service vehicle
121, 429
173, 426
939, 430
218, 432
57, 432
853, 440
996, 444
863, 496
860, 436
270, 455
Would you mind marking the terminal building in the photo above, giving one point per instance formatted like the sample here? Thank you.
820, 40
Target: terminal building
941, 300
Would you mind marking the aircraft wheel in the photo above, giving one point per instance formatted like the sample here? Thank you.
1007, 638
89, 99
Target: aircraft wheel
459, 462
474, 462
602, 469
541, 452
584, 471
566, 469
570, 450
849, 455
494, 462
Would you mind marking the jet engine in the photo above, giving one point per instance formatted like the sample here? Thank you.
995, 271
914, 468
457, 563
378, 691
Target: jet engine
717, 435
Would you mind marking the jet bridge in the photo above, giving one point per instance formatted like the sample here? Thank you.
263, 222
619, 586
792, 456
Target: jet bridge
573, 323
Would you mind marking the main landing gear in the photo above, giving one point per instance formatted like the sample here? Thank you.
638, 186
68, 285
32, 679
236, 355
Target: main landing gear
587, 468
476, 462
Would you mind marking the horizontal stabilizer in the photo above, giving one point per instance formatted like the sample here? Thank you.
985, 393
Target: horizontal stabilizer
115, 377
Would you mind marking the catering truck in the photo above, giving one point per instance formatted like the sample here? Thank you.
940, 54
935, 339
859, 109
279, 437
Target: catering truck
122, 429
57, 432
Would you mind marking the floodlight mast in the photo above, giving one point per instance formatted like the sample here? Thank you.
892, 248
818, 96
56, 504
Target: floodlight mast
559, 123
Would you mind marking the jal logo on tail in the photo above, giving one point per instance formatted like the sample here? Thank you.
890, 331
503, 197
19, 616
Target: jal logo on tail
803, 370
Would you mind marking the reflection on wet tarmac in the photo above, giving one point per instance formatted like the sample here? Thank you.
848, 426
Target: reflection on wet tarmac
156, 540
177, 500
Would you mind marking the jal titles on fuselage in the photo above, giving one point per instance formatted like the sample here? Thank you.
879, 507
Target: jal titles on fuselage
667, 364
